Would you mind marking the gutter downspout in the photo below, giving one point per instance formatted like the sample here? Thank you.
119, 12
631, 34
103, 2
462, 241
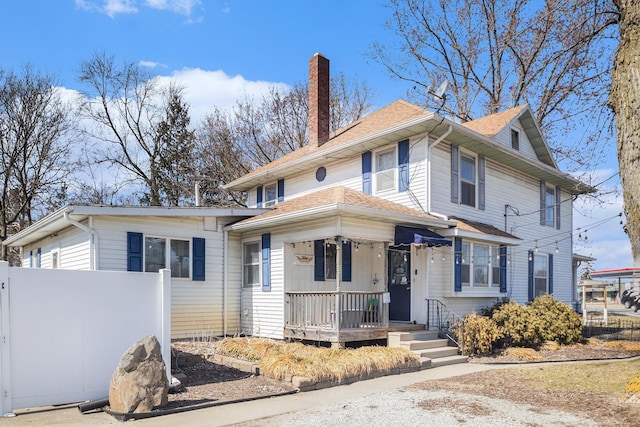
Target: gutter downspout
94, 239
225, 269
429, 147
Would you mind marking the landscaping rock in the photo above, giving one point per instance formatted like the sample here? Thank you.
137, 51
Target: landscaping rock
139, 383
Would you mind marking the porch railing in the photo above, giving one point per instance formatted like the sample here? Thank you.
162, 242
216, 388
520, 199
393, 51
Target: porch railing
445, 321
335, 310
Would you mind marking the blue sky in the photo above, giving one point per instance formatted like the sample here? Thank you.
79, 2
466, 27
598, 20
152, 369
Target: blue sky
223, 50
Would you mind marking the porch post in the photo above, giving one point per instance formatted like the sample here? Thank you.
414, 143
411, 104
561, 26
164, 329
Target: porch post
338, 296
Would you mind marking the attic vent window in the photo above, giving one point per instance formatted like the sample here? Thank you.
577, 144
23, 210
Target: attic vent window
321, 174
515, 139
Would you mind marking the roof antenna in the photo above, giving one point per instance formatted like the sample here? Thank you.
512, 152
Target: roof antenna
439, 94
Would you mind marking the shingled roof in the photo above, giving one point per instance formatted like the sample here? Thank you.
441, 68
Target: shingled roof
387, 117
341, 197
491, 125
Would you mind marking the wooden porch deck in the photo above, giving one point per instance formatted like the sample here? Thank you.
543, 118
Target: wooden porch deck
340, 317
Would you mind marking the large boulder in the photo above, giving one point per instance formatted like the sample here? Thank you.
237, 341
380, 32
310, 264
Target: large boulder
139, 383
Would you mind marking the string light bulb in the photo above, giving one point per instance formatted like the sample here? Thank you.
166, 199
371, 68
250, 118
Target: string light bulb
557, 249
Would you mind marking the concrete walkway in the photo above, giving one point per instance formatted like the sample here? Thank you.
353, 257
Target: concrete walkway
245, 412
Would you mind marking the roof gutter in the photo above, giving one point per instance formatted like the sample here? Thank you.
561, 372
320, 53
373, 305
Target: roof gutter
341, 208
94, 239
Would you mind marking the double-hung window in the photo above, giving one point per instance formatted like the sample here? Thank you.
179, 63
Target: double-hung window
385, 174
251, 264
549, 206
467, 180
270, 194
157, 250
480, 265
540, 274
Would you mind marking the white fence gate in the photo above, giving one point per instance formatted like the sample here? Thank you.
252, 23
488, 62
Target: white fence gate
64, 331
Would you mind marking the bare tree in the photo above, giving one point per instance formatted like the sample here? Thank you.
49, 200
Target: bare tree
219, 160
33, 158
126, 106
277, 125
503, 53
625, 102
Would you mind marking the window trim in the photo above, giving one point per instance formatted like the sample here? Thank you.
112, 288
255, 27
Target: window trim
55, 253
493, 263
540, 256
376, 173
549, 208
267, 201
167, 254
516, 133
464, 154
258, 262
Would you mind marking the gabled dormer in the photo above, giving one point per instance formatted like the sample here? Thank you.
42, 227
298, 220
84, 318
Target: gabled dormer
515, 128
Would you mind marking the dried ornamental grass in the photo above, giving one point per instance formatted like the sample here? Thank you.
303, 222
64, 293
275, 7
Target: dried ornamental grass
279, 359
522, 353
633, 346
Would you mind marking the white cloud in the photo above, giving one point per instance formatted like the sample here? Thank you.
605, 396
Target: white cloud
151, 64
183, 7
109, 7
115, 7
205, 90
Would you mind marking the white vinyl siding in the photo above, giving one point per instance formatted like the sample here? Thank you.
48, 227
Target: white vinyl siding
505, 185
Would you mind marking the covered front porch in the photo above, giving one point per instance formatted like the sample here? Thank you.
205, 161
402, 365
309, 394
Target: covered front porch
343, 289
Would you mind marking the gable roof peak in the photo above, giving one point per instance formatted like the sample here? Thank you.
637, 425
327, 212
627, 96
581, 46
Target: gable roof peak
492, 124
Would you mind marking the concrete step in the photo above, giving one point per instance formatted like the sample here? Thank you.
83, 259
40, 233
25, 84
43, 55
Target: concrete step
436, 353
414, 345
449, 360
395, 338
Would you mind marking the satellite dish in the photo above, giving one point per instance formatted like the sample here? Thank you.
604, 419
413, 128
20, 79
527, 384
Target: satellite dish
441, 90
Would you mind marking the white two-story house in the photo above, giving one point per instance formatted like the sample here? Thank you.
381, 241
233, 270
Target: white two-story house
395, 219
399, 217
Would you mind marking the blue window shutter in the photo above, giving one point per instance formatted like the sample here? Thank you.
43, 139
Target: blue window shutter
503, 268
198, 257
543, 203
550, 266
134, 251
318, 265
346, 261
481, 181
557, 209
366, 172
39, 258
280, 190
457, 267
266, 262
403, 165
531, 258
259, 196
455, 168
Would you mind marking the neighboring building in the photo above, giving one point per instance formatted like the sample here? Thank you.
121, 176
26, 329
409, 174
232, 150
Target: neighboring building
401, 217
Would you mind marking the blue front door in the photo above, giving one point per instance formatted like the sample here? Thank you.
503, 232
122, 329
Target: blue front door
399, 275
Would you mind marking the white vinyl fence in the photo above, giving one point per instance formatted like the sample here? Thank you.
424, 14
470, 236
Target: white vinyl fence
64, 331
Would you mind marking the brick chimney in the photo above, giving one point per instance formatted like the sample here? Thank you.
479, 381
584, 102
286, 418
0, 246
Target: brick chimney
318, 100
